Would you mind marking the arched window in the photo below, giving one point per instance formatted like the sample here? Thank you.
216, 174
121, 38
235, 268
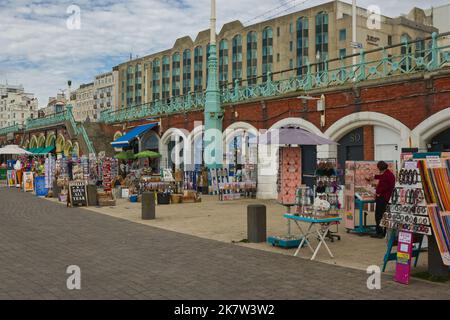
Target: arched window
267, 52
165, 78
198, 69
223, 63
252, 57
156, 77
176, 65
302, 44
187, 63
237, 58
321, 39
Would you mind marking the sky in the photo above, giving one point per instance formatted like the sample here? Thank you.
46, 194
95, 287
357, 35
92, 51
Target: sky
44, 43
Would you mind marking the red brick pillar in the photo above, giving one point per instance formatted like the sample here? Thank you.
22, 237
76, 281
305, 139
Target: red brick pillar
369, 143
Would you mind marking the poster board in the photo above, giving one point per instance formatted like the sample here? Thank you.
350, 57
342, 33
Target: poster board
11, 178
28, 182
404, 255
290, 174
78, 195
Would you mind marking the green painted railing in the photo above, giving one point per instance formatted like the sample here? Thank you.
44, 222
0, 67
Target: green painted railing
82, 131
11, 129
405, 58
178, 104
54, 119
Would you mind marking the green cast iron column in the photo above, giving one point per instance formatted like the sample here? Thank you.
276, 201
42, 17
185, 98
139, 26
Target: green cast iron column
212, 137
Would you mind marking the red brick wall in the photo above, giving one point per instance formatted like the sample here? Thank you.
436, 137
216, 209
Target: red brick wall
369, 146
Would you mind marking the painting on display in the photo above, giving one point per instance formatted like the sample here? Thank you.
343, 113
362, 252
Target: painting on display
28, 182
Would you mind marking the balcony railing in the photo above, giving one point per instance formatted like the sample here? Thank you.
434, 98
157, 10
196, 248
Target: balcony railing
11, 129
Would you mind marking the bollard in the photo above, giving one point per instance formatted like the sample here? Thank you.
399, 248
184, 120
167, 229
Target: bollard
435, 265
92, 195
256, 223
148, 206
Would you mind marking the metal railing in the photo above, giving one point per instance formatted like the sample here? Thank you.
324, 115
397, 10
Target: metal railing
178, 104
11, 129
53, 119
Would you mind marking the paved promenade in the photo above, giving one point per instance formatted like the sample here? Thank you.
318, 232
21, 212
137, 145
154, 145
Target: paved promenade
119, 259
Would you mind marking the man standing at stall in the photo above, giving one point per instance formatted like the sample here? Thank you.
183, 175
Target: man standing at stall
385, 186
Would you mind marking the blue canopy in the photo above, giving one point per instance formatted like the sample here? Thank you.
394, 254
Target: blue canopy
125, 140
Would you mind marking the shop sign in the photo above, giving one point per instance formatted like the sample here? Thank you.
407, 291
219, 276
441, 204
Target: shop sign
372, 40
404, 255
78, 194
28, 182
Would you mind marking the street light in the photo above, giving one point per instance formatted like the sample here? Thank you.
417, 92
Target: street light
320, 106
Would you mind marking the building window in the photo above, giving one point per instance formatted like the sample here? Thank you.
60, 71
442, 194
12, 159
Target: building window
208, 48
302, 44
291, 46
420, 48
187, 63
342, 53
389, 40
278, 31
156, 76
406, 49
291, 28
291, 64
165, 78
278, 57
198, 69
267, 52
321, 39
252, 58
342, 34
237, 58
223, 63
176, 74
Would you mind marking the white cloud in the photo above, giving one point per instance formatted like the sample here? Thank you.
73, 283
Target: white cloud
39, 51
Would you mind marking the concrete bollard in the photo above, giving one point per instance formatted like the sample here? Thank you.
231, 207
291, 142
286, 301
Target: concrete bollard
92, 195
256, 223
435, 265
148, 206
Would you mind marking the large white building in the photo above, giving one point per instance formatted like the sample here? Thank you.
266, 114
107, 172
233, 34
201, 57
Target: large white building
440, 17
83, 105
16, 106
105, 95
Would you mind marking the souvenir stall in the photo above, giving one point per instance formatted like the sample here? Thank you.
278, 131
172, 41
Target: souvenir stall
319, 207
420, 206
231, 184
359, 194
291, 192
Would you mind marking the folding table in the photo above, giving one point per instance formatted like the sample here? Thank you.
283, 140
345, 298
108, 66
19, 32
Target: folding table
319, 226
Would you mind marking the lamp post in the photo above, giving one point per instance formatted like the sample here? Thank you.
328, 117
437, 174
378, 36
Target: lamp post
213, 114
354, 33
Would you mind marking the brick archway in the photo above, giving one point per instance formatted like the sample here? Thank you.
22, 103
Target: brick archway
431, 127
